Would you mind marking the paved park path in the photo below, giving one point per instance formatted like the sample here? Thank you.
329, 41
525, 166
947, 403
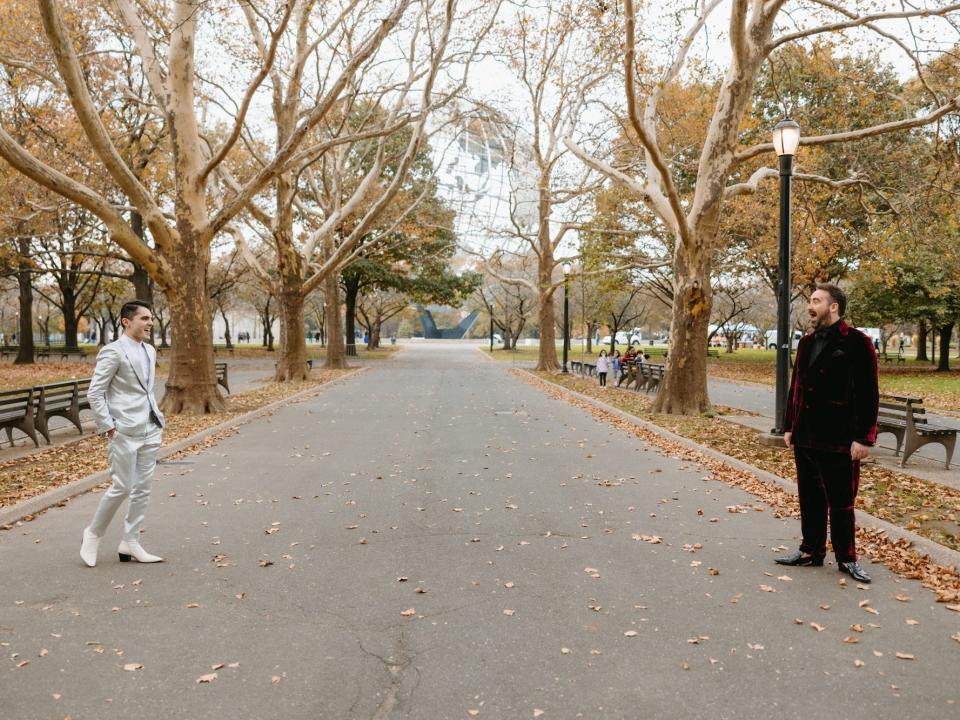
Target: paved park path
296, 549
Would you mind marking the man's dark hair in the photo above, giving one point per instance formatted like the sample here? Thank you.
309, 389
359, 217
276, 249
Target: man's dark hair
836, 295
131, 307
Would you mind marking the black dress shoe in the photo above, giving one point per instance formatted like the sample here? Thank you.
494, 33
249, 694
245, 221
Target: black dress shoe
798, 559
854, 570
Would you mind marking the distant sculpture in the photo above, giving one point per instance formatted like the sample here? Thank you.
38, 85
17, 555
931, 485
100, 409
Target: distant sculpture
432, 332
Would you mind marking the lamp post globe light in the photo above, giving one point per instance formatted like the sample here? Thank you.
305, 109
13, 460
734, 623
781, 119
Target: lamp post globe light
567, 267
786, 141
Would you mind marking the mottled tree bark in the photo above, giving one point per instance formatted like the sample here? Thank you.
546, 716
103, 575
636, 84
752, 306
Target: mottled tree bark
192, 382
336, 351
684, 387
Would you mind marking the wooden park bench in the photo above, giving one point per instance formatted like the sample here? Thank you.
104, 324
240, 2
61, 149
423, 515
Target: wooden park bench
628, 374
576, 366
63, 399
887, 357
649, 376
17, 413
906, 419
66, 354
588, 369
221, 368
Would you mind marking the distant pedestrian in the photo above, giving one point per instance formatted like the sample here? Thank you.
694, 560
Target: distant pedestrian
615, 364
900, 348
603, 367
831, 423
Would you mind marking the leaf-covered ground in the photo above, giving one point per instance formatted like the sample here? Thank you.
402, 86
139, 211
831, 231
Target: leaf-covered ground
19, 376
926, 508
41, 471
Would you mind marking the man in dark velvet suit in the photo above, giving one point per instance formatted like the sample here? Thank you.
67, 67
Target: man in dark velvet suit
831, 424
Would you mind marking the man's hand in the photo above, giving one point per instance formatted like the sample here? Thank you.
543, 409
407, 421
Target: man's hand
108, 435
788, 439
858, 451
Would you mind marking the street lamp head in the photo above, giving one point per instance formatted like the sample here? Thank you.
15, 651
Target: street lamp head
567, 267
786, 137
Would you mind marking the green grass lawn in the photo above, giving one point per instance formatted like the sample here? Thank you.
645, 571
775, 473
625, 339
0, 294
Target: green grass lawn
939, 390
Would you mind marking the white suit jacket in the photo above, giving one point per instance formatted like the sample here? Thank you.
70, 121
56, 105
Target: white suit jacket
120, 397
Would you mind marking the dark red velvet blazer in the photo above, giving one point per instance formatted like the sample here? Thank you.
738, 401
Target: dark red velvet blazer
835, 400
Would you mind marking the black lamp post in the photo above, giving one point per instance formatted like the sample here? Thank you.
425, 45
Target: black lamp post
566, 313
491, 329
786, 140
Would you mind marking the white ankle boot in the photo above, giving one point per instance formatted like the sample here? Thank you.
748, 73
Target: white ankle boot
132, 550
89, 547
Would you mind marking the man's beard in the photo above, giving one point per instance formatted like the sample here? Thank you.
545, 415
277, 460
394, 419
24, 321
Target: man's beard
818, 322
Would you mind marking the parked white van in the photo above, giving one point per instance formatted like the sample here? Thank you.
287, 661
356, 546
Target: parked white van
772, 339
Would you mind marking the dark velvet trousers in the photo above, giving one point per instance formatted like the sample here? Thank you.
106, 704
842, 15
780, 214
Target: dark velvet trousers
827, 482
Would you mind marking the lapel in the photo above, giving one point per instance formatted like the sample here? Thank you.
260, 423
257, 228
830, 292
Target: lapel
137, 367
152, 357
833, 343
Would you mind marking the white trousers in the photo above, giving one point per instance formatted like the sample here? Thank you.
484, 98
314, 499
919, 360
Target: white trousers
133, 460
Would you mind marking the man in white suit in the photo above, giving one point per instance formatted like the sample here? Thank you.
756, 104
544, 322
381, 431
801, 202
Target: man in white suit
126, 413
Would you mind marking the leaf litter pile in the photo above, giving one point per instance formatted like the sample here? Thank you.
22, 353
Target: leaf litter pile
896, 555
33, 474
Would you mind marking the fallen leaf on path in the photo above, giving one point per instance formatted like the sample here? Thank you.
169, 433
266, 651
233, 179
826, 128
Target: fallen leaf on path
208, 678
508, 612
903, 598
850, 640
266, 563
276, 679
858, 663
904, 656
631, 633
818, 627
133, 667
409, 612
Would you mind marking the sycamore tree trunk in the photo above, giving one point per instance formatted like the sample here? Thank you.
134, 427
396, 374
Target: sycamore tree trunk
192, 383
684, 388
336, 350
25, 330
292, 362
375, 329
